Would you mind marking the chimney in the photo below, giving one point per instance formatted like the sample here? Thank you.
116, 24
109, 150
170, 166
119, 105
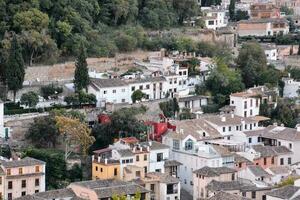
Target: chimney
232, 115
99, 159
105, 161
223, 118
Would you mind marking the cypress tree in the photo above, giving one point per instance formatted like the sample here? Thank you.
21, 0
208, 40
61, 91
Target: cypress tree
15, 69
81, 77
232, 10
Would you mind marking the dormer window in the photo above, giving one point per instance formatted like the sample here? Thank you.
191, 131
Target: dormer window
189, 144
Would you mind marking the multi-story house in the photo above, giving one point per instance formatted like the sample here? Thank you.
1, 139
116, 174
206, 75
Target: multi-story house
21, 177
264, 10
214, 17
268, 156
162, 186
263, 27
203, 176
274, 135
247, 103
130, 159
188, 147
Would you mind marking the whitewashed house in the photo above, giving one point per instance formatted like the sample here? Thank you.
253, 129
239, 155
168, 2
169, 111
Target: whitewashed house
214, 17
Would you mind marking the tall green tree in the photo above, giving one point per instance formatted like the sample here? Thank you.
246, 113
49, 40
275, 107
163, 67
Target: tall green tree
15, 69
232, 10
81, 77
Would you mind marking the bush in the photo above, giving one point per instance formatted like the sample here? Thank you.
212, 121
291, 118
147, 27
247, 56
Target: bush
30, 99
50, 91
213, 108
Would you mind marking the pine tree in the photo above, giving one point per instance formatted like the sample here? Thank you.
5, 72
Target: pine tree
15, 69
232, 10
81, 77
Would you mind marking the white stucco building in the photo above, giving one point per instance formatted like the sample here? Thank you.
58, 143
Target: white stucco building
291, 88
2, 131
214, 17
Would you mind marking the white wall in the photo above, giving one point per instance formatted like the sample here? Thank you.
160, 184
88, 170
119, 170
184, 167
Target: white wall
153, 164
240, 110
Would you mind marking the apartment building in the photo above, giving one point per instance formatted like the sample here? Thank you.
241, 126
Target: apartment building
263, 27
21, 177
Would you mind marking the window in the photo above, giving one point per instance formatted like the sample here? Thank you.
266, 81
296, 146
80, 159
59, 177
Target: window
23, 193
37, 182
10, 185
232, 177
0, 182
115, 171
245, 113
249, 140
36, 191
251, 112
141, 87
114, 91
104, 92
180, 73
145, 170
20, 170
23, 183
273, 160
251, 102
137, 158
132, 88
152, 187
253, 194
171, 189
159, 157
237, 128
123, 100
138, 174
148, 86
265, 161
184, 72
229, 128
8, 171
176, 144
158, 170
290, 145
246, 126
256, 103
9, 196
281, 161
37, 169
101, 169
189, 144
145, 156
244, 194
123, 90
289, 161
224, 129
96, 168
279, 143
211, 22
245, 104
232, 102
240, 165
